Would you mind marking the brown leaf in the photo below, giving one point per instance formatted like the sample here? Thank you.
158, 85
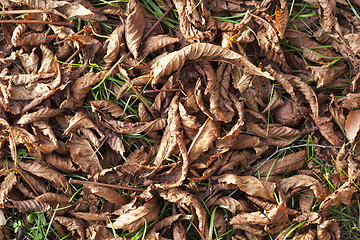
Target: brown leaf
183, 198
296, 183
281, 18
45, 136
106, 106
306, 201
114, 42
155, 231
256, 218
269, 42
91, 216
326, 74
134, 27
134, 128
29, 62
6, 186
310, 235
206, 51
115, 143
328, 229
56, 179
24, 206
232, 204
189, 123
73, 225
106, 193
80, 120
53, 197
250, 185
84, 156
134, 218
289, 163
341, 195
39, 115
60, 162
204, 139
154, 43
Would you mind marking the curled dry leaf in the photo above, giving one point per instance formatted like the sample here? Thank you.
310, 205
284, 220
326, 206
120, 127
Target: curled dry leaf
114, 43
232, 204
73, 225
155, 232
56, 179
91, 216
205, 51
24, 206
296, 183
83, 155
134, 128
256, 218
328, 229
106, 193
80, 120
205, 138
310, 235
6, 186
134, 27
154, 43
134, 218
53, 197
250, 185
38, 115
108, 106
60, 162
183, 198
189, 123
341, 195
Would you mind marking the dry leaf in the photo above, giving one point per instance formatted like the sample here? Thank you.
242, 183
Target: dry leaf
134, 27
352, 124
72, 225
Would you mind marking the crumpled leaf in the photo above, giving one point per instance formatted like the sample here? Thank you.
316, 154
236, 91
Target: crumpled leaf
114, 43
108, 106
60, 162
205, 51
296, 183
6, 186
326, 74
256, 218
106, 193
133, 218
39, 115
56, 179
341, 195
205, 138
154, 43
232, 204
134, 128
155, 231
189, 123
328, 229
250, 185
134, 27
73, 225
183, 199
83, 155
24, 206
53, 197
269, 42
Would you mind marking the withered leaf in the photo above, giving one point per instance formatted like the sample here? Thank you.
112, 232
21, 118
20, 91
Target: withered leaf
114, 43
56, 179
134, 27
250, 185
6, 186
256, 218
352, 124
232, 204
80, 120
341, 195
39, 115
84, 156
205, 138
189, 123
328, 229
60, 162
134, 218
183, 198
154, 43
53, 197
108, 106
73, 225
205, 51
135, 128
24, 206
296, 183
91, 216
106, 193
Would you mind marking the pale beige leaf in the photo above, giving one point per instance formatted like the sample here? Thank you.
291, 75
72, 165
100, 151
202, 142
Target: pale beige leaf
134, 27
352, 124
205, 51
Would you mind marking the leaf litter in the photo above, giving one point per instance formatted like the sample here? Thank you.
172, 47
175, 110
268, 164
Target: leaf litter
179, 119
